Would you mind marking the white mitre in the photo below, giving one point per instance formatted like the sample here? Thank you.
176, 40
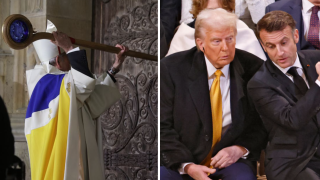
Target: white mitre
45, 49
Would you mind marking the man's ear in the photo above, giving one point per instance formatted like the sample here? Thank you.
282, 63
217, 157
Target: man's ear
57, 63
296, 36
200, 44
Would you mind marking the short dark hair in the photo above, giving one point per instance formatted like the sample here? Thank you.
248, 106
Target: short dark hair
275, 21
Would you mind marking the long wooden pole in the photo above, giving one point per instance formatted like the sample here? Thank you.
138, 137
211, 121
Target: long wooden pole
97, 46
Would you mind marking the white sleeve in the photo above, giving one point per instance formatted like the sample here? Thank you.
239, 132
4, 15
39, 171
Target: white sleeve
182, 40
183, 165
257, 9
186, 16
246, 40
104, 95
73, 50
84, 85
246, 154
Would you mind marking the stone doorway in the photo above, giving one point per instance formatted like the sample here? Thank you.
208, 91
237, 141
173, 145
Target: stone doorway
129, 127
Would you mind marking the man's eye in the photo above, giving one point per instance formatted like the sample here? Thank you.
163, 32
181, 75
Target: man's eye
270, 46
215, 42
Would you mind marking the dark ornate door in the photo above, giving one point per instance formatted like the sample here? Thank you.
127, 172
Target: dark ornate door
130, 126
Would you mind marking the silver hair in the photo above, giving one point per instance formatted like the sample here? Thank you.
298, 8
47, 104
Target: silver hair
211, 18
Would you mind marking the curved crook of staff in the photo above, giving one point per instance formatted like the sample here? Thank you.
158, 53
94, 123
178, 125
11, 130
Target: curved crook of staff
17, 32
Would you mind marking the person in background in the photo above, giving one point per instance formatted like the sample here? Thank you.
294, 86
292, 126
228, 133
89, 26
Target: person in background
184, 37
169, 17
163, 42
306, 14
7, 149
249, 11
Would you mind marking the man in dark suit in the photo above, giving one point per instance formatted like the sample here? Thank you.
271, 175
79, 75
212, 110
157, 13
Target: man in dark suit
286, 93
203, 96
170, 14
305, 13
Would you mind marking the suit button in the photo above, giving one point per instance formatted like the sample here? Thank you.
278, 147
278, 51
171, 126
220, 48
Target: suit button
206, 137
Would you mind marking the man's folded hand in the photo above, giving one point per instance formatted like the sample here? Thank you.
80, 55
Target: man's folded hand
227, 156
198, 172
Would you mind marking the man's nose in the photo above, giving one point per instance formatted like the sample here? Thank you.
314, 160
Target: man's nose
280, 51
224, 45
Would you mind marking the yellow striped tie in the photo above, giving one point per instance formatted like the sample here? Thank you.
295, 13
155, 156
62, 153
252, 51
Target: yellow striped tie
216, 107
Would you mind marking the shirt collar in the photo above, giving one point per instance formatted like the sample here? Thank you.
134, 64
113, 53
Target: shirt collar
211, 69
306, 6
295, 64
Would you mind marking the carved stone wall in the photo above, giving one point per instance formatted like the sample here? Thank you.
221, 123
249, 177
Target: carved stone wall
129, 126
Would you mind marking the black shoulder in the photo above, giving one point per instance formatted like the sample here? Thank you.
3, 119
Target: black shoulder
250, 62
78, 61
180, 58
312, 55
192, 24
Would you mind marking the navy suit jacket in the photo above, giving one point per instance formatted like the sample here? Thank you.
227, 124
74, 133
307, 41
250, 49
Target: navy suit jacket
293, 7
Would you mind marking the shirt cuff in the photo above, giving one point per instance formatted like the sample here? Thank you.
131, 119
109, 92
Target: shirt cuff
318, 82
112, 77
246, 154
183, 165
73, 50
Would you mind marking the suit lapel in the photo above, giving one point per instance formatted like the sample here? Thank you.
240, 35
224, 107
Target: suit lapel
199, 90
284, 84
238, 102
310, 73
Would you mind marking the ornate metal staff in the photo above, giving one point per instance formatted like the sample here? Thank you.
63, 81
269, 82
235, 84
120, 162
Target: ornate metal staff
18, 33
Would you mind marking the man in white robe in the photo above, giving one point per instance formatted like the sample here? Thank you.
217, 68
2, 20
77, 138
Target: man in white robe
63, 135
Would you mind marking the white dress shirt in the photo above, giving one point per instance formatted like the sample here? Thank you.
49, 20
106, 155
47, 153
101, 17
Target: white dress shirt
225, 92
299, 70
306, 15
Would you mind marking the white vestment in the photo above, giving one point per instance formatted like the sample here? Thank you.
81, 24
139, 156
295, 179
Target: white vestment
87, 98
